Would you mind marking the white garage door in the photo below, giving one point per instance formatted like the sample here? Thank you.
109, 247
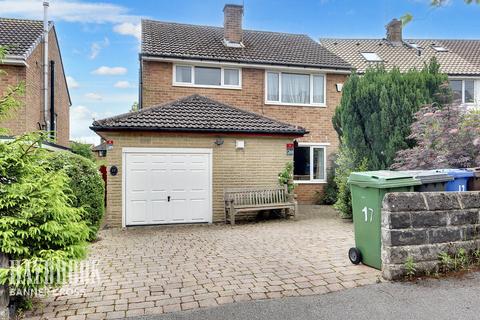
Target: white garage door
167, 185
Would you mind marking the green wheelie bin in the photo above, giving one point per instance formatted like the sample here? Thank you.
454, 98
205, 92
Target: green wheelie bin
368, 189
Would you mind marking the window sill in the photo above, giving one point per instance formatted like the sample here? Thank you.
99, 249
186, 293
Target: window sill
309, 181
206, 86
311, 105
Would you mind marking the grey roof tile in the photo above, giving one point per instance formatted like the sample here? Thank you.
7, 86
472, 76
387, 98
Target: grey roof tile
177, 40
20, 36
196, 113
461, 58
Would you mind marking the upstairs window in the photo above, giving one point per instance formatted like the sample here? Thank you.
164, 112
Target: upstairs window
463, 91
295, 88
202, 76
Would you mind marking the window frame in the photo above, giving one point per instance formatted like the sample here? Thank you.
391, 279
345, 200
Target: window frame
312, 146
475, 93
279, 102
192, 75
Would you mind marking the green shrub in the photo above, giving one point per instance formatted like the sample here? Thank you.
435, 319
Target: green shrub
286, 177
87, 186
82, 149
345, 166
39, 226
330, 193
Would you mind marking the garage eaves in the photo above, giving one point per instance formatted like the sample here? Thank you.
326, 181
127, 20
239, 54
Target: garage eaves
197, 113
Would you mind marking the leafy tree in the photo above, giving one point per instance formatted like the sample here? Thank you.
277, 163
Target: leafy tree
82, 149
446, 137
39, 227
134, 107
86, 185
439, 3
377, 109
408, 17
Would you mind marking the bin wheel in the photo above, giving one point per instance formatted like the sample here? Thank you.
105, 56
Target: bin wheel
354, 255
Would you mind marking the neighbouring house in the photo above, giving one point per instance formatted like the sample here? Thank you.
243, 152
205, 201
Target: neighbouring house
459, 59
220, 108
24, 62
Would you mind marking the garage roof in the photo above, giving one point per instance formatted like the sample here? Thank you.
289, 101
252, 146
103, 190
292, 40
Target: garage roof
196, 113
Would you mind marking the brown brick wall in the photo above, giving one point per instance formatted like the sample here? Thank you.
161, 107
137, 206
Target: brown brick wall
28, 117
157, 89
15, 123
231, 167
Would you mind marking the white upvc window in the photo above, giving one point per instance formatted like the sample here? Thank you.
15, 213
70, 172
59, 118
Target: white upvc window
310, 163
292, 88
207, 76
465, 91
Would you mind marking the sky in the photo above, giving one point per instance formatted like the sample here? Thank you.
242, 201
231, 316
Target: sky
100, 40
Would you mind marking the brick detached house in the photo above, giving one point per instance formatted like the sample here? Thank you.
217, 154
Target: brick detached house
459, 59
220, 108
24, 62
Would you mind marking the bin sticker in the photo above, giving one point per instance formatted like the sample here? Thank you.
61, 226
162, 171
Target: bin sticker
461, 187
368, 212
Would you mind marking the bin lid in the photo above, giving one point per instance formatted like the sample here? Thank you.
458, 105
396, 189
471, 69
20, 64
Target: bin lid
429, 176
476, 171
383, 179
458, 173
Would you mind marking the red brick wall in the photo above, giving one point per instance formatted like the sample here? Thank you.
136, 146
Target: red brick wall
157, 89
28, 117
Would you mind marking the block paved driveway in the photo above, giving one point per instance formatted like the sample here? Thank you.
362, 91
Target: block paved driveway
154, 270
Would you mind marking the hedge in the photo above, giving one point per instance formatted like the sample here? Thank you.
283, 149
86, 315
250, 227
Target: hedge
87, 186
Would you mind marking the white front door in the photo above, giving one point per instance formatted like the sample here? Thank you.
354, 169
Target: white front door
163, 185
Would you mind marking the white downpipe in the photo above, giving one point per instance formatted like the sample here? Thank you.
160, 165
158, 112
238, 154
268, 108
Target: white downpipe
45, 65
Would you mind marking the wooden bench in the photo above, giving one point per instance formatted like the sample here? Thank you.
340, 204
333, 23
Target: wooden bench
239, 200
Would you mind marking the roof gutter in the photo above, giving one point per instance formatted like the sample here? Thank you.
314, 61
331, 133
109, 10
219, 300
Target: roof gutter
14, 60
243, 64
192, 130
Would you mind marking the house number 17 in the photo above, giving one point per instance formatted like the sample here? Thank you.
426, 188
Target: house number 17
368, 212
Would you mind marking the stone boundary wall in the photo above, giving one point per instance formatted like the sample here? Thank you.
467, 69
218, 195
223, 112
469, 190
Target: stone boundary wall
423, 225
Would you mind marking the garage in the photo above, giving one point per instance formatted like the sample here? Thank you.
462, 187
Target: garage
173, 162
167, 185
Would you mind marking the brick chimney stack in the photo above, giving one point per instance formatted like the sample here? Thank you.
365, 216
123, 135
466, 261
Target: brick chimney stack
394, 32
232, 24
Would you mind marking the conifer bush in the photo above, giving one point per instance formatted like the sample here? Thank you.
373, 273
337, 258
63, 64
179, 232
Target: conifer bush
39, 226
374, 117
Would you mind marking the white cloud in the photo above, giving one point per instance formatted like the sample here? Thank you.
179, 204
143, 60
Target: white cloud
70, 10
81, 118
122, 84
129, 29
72, 83
110, 71
93, 96
97, 46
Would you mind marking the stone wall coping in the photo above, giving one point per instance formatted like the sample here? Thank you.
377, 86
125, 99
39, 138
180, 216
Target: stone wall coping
430, 201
